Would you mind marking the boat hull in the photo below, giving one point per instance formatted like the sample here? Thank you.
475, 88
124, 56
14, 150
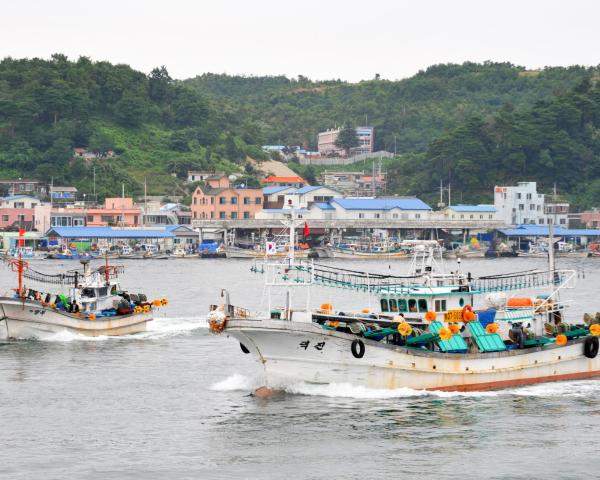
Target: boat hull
356, 255
297, 351
28, 319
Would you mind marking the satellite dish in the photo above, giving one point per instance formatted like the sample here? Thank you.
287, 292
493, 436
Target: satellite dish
233, 178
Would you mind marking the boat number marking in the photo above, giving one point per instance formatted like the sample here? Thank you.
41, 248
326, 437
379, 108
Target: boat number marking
318, 346
38, 312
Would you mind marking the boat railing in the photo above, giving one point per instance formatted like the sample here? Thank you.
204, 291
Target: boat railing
524, 280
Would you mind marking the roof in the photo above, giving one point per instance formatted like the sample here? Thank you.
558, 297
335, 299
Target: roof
272, 190
107, 232
63, 189
17, 197
283, 210
473, 208
324, 206
312, 188
542, 231
20, 180
274, 179
403, 203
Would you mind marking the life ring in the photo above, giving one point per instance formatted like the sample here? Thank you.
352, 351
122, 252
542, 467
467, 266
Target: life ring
591, 347
358, 348
244, 348
467, 313
430, 316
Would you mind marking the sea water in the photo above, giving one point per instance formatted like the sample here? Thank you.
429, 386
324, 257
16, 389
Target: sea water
174, 402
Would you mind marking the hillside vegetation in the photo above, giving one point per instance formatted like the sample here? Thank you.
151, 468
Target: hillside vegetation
473, 124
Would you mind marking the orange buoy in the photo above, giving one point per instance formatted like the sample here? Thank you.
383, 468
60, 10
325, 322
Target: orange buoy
491, 328
430, 316
561, 339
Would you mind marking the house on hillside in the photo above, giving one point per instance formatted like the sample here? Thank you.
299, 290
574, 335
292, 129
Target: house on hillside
470, 212
293, 181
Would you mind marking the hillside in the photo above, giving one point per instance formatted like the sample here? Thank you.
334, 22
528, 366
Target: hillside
415, 111
472, 122
155, 125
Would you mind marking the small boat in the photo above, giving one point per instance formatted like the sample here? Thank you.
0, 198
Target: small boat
70, 254
94, 304
425, 333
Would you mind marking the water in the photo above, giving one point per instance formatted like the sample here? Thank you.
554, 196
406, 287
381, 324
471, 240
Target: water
173, 402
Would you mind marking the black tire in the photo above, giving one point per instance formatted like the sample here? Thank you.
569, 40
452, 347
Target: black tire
244, 349
590, 347
358, 348
518, 337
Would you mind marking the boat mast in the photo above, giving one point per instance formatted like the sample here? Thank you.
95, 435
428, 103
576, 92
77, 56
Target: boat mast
551, 265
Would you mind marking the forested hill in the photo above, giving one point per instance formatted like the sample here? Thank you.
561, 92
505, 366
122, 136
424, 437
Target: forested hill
555, 141
413, 112
155, 125
484, 122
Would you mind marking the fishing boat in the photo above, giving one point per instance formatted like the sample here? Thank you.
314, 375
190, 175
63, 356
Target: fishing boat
425, 334
92, 304
69, 254
365, 250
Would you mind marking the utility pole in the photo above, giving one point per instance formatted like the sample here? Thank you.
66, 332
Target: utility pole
395, 149
95, 197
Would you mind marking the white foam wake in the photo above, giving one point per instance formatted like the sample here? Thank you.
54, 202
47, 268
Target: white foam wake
159, 328
236, 382
347, 390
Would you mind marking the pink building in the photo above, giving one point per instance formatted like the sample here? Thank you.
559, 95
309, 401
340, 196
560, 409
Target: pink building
117, 211
219, 200
18, 211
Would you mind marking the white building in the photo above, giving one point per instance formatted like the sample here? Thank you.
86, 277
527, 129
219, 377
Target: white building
326, 141
523, 205
470, 212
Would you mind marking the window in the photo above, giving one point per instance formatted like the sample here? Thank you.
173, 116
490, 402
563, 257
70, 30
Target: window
521, 206
19, 204
361, 215
5, 218
107, 218
195, 200
246, 200
532, 207
402, 305
394, 215
440, 305
233, 215
462, 217
422, 305
417, 215
384, 305
563, 221
461, 302
491, 216
212, 214
412, 305
529, 196
258, 200
78, 222
393, 305
222, 215
194, 213
519, 196
246, 214
377, 215
234, 200
541, 221
222, 200
480, 217
212, 200
90, 218
471, 217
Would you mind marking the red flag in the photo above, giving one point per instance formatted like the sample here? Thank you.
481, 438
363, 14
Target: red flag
306, 231
21, 239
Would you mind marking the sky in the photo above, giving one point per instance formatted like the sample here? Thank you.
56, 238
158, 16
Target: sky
322, 39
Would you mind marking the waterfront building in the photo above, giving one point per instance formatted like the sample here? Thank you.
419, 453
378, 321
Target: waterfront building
63, 193
218, 199
117, 211
523, 205
18, 211
326, 142
470, 212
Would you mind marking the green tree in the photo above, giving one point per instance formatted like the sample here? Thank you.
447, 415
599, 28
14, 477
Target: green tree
347, 138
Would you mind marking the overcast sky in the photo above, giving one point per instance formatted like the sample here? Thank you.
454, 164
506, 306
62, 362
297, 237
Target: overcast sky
321, 39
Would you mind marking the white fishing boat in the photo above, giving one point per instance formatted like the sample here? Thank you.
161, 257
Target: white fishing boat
425, 334
94, 304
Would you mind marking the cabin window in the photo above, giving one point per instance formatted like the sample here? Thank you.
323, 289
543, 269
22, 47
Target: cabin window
440, 305
412, 305
384, 305
461, 302
402, 305
393, 305
102, 291
422, 305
